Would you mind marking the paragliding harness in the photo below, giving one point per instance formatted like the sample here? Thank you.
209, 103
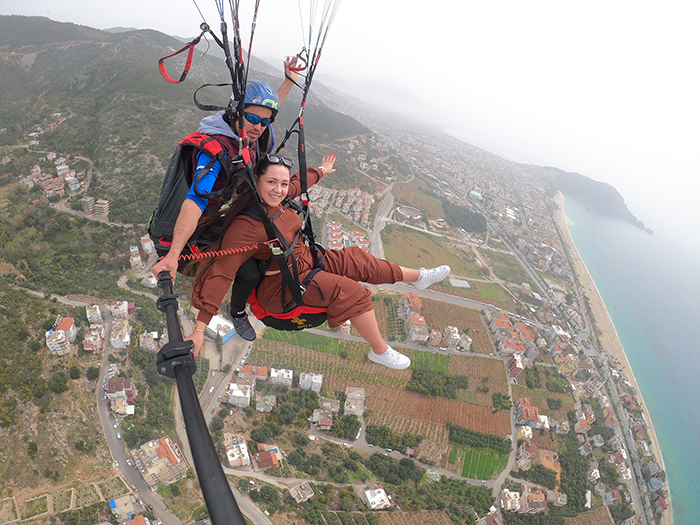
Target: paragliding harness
297, 315
179, 178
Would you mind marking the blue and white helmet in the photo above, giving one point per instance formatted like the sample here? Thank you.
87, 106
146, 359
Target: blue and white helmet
258, 93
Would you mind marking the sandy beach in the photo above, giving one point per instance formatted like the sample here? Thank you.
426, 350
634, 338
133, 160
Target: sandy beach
608, 338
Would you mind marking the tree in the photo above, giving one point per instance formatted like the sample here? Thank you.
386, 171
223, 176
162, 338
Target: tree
74, 372
269, 494
57, 383
93, 373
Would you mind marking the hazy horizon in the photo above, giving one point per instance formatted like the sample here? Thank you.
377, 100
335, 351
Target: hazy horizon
605, 90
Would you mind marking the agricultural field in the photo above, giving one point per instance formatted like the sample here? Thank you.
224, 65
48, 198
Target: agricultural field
426, 517
414, 249
539, 399
493, 294
113, 488
476, 369
61, 502
35, 507
7, 510
417, 193
508, 268
434, 409
435, 437
86, 495
422, 360
391, 326
599, 516
355, 367
439, 315
483, 463
316, 342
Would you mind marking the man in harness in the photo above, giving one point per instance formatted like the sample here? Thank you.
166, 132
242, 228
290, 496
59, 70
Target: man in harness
261, 106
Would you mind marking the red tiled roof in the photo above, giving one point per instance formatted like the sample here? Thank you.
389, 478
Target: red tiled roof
266, 459
417, 320
66, 324
503, 323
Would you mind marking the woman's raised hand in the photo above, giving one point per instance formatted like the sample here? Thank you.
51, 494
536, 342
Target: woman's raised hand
328, 162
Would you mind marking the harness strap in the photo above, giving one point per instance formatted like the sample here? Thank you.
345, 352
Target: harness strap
190, 46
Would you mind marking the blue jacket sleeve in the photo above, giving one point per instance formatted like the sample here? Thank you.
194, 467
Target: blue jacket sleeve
206, 183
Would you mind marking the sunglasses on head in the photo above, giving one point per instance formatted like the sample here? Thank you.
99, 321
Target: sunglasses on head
254, 119
276, 159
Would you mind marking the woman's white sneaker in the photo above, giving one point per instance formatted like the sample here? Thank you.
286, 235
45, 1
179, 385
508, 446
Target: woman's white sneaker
426, 277
390, 359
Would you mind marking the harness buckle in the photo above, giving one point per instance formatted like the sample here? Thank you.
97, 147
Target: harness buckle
302, 288
276, 250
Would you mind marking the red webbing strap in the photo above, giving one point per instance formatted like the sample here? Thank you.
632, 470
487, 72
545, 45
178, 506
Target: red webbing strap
161, 61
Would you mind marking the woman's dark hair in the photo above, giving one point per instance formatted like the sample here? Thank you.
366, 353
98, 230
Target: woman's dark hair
243, 198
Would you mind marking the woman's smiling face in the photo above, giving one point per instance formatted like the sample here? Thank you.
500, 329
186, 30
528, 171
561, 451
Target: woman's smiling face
273, 186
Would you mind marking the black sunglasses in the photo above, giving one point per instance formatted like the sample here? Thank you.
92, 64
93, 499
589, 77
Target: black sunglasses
277, 159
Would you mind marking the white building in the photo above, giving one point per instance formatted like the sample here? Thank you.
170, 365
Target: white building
311, 382
354, 401
120, 309
93, 313
236, 450
121, 334
239, 395
57, 342
376, 499
147, 244
281, 376
510, 500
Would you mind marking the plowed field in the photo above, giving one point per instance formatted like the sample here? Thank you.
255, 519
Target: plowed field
434, 409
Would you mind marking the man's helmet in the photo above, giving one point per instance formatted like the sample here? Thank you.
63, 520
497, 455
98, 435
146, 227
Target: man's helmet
258, 93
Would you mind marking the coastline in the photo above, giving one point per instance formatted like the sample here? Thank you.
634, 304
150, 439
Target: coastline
608, 338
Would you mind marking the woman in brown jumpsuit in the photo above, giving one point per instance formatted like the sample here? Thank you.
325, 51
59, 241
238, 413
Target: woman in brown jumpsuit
336, 287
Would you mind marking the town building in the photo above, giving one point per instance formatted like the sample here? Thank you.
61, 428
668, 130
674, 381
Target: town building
311, 382
121, 334
236, 450
101, 207
515, 365
266, 459
88, 204
281, 376
149, 341
94, 339
221, 327
527, 414
376, 498
160, 461
265, 403
410, 305
147, 244
510, 500
119, 309
240, 395
417, 329
258, 373
301, 493
354, 401
93, 313
57, 342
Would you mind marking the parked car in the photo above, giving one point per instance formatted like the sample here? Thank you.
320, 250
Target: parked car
119, 435
116, 463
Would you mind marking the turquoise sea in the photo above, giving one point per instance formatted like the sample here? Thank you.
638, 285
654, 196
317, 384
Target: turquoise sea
651, 287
